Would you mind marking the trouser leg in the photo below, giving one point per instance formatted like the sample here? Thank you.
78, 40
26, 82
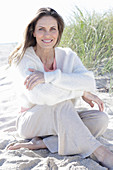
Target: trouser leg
95, 121
61, 120
38, 121
73, 136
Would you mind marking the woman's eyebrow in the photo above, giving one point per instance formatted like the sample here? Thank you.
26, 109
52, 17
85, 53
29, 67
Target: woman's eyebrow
44, 26
40, 26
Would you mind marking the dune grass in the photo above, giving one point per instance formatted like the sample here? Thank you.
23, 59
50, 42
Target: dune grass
91, 37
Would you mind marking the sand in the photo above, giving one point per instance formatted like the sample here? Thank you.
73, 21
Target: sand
24, 159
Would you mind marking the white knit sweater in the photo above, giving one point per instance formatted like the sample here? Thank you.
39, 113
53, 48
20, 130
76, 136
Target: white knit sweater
68, 81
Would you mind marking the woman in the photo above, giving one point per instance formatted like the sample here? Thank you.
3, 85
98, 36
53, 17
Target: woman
48, 78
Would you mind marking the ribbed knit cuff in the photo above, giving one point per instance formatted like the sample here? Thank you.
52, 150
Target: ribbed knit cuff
52, 76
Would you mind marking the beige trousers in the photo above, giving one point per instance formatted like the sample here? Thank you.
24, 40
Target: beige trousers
64, 130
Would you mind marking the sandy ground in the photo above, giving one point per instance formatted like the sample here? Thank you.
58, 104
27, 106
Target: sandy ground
24, 159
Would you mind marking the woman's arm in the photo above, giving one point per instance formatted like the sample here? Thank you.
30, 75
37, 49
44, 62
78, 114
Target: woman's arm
44, 93
79, 79
38, 78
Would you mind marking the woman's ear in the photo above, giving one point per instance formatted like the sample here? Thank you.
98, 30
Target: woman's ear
34, 34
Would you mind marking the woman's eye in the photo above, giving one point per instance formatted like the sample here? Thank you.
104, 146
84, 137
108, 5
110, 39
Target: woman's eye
40, 29
53, 29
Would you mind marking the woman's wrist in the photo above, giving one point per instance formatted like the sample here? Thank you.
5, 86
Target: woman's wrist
85, 93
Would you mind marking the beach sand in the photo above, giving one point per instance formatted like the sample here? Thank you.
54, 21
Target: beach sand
24, 159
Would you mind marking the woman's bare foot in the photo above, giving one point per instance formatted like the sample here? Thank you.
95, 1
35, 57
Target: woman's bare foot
104, 156
35, 143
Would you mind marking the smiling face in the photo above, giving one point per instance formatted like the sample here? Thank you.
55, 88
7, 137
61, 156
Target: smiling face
46, 32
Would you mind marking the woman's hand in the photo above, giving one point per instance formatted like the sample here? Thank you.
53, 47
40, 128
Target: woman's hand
35, 78
90, 98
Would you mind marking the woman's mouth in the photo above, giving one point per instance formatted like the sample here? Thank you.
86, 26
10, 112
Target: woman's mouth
47, 41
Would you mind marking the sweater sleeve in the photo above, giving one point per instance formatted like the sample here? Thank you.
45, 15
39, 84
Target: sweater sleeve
45, 93
79, 80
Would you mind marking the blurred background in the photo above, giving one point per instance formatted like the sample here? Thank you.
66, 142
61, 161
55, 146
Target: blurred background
15, 14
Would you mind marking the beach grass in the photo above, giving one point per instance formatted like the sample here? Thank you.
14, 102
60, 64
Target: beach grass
91, 37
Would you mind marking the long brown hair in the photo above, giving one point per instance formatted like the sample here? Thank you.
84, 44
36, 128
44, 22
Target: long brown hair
29, 39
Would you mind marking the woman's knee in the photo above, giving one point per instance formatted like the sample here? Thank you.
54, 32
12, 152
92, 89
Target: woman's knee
24, 128
101, 123
104, 119
96, 121
24, 132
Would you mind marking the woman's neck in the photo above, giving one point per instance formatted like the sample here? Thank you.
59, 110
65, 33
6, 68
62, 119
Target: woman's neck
45, 55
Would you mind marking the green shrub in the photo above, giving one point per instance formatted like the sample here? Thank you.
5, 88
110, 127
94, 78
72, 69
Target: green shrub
91, 37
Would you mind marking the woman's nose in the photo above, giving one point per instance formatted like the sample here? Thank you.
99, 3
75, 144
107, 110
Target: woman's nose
47, 33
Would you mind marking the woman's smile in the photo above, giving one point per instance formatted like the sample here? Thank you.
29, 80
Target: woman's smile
47, 41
